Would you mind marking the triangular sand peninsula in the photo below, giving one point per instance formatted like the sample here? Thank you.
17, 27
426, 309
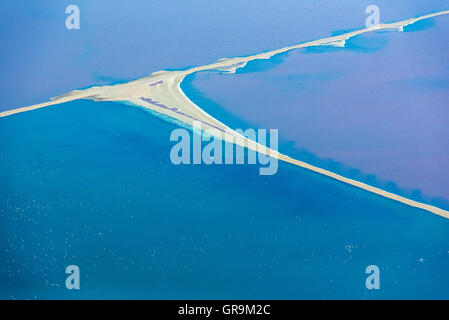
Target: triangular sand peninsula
161, 93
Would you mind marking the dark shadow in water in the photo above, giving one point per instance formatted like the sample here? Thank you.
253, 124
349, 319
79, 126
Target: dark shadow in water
340, 32
367, 44
361, 43
420, 25
288, 148
263, 64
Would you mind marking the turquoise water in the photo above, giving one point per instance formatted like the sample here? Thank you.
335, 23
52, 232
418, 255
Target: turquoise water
91, 184
420, 25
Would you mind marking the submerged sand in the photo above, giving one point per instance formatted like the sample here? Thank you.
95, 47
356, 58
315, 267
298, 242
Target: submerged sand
161, 92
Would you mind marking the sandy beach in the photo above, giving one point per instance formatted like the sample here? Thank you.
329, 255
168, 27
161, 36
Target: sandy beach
161, 92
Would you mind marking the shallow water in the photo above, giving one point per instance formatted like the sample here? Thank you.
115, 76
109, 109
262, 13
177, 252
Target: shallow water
375, 110
91, 184
121, 41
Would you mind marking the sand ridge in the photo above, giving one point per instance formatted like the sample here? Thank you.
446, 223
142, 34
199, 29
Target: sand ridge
161, 92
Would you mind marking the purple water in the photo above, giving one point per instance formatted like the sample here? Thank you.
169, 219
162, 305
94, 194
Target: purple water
380, 105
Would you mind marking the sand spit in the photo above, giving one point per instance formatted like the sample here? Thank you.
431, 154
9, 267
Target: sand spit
161, 92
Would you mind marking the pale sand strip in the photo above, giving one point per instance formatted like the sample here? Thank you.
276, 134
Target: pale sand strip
36, 106
361, 185
161, 92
